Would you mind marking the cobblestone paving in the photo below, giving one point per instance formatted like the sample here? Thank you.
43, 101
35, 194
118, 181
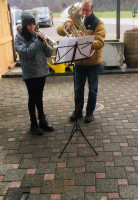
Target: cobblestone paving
31, 163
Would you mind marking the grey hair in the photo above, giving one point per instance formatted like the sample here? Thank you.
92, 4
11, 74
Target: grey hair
88, 1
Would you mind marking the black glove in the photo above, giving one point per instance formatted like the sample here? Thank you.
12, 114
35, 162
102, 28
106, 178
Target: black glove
40, 39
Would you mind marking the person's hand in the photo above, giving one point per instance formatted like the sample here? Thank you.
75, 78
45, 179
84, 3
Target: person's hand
68, 27
43, 36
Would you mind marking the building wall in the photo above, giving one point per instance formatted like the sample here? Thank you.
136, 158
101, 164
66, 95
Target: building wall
6, 48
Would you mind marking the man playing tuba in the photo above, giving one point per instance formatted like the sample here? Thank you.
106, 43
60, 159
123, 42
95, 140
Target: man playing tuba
88, 68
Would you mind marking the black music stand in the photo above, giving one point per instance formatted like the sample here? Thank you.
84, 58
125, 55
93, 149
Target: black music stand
74, 48
77, 49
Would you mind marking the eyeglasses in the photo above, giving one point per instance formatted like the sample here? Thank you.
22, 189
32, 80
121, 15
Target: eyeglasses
85, 10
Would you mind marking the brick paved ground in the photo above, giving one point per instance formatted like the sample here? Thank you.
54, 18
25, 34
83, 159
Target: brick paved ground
30, 163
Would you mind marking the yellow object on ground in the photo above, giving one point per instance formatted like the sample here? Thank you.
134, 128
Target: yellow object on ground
59, 68
71, 68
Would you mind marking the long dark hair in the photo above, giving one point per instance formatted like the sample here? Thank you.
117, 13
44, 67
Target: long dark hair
26, 34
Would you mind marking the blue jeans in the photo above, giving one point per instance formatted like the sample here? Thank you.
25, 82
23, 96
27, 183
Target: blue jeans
80, 75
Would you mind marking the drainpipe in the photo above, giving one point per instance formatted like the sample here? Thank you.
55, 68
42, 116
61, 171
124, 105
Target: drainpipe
118, 20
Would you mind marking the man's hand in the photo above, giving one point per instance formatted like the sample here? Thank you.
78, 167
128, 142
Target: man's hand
68, 26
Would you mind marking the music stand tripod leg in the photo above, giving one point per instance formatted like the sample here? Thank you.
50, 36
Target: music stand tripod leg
71, 135
79, 129
75, 129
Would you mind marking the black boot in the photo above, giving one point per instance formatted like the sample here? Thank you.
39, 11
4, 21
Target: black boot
44, 125
89, 117
77, 114
35, 129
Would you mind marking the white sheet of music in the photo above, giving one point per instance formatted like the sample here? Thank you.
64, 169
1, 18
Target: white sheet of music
66, 48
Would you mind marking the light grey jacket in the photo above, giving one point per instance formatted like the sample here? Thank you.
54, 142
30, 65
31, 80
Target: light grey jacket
33, 56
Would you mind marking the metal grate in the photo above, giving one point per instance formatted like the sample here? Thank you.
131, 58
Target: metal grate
97, 108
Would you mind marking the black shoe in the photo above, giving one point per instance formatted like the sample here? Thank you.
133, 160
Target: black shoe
75, 116
35, 129
44, 125
89, 117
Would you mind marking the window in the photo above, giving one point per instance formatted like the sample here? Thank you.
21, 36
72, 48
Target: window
12, 17
17, 16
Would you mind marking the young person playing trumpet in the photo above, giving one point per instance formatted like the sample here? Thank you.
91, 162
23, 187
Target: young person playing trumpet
33, 51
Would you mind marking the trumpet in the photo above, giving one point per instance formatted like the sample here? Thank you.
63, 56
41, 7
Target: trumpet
46, 38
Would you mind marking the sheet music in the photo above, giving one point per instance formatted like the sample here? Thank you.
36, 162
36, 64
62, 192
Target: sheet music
85, 45
66, 48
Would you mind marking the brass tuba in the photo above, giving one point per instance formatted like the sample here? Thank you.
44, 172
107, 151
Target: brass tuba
77, 23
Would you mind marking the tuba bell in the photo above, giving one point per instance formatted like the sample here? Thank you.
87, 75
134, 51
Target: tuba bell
77, 23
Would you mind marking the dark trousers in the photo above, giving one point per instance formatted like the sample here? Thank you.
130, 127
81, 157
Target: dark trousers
35, 87
81, 74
